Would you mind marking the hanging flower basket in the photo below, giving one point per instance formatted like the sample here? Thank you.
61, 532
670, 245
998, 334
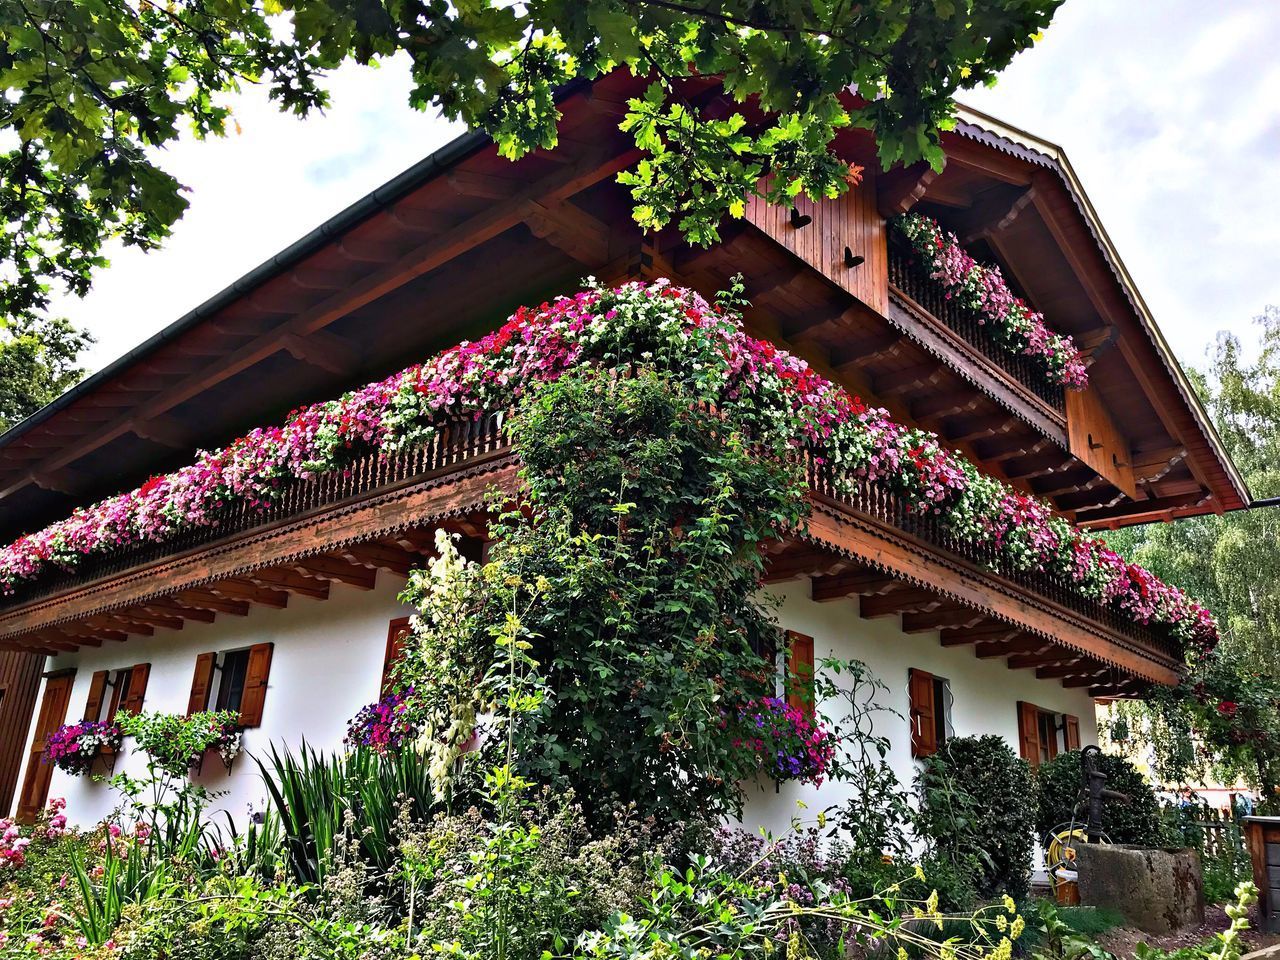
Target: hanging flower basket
385, 726
785, 743
75, 747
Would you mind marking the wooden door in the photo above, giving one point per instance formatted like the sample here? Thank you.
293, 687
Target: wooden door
53, 714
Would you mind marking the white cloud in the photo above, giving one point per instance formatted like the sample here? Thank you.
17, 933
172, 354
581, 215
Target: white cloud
1169, 115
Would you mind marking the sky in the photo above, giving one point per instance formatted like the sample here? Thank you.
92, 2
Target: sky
1171, 119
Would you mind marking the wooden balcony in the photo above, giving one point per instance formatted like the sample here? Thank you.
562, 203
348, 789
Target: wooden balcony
911, 285
380, 513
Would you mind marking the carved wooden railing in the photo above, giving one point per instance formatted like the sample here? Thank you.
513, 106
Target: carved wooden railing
456, 444
460, 444
878, 503
909, 278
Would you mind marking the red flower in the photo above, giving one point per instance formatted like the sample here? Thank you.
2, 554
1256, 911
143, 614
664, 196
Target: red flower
1228, 708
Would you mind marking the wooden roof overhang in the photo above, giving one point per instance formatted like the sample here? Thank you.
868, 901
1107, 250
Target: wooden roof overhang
343, 528
411, 270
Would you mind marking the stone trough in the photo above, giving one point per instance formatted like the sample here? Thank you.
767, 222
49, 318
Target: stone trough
1157, 889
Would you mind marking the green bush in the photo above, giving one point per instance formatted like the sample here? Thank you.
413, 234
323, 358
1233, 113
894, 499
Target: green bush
1058, 787
977, 812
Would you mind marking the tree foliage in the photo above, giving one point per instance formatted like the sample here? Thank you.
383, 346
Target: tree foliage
1225, 719
94, 86
37, 363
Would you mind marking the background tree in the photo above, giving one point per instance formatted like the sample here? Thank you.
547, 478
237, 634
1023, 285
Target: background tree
37, 362
1225, 719
93, 86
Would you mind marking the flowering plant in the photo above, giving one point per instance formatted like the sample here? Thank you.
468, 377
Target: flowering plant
674, 331
786, 744
384, 726
175, 743
73, 747
983, 290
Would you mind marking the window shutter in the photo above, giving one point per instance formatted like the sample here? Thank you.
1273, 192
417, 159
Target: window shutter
1072, 732
137, 688
255, 685
1029, 732
397, 632
201, 683
97, 689
800, 672
924, 712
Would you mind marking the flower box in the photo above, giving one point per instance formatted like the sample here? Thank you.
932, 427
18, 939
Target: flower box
76, 748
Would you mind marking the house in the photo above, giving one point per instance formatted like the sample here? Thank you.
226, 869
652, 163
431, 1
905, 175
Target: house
290, 614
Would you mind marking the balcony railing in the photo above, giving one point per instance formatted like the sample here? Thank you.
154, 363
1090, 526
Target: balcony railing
910, 278
456, 444
460, 444
878, 503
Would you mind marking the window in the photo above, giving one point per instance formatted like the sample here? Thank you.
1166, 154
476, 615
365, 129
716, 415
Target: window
1043, 734
397, 632
127, 688
235, 665
930, 713
241, 682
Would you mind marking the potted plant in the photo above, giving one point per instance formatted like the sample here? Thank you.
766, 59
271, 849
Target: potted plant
75, 747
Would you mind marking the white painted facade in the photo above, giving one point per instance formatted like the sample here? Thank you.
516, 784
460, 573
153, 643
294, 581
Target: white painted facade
327, 663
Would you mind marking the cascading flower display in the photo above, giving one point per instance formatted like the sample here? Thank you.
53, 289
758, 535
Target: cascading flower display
74, 747
787, 745
385, 726
788, 406
983, 290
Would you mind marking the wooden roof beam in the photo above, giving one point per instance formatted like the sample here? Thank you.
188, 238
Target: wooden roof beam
804, 561
493, 220
379, 556
281, 579
171, 607
320, 349
570, 229
1135, 508
134, 615
207, 600
1023, 643
905, 600
861, 351
862, 583
898, 190
332, 568
927, 621
165, 430
250, 592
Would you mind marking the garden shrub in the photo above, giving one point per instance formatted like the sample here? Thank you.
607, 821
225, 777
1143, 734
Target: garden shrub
1058, 785
977, 811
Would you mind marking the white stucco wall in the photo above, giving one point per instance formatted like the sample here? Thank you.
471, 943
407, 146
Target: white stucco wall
327, 663
985, 694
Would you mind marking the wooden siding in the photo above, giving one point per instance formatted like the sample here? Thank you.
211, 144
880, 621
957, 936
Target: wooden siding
851, 221
19, 687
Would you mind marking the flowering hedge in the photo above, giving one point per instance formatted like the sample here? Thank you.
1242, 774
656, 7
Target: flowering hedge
983, 290
787, 744
73, 747
679, 334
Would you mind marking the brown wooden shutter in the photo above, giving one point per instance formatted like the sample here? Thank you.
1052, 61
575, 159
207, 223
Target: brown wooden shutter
924, 714
201, 683
255, 685
137, 688
800, 672
397, 633
53, 714
1029, 732
1072, 727
97, 690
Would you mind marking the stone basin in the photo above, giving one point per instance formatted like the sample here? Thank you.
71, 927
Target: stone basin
1157, 889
